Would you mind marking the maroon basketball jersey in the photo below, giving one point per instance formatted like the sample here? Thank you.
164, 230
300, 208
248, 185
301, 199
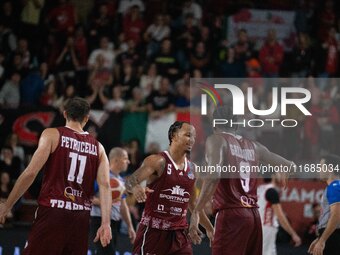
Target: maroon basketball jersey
166, 208
240, 189
70, 172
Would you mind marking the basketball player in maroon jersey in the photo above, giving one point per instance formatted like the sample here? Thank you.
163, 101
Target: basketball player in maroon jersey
171, 181
238, 229
71, 159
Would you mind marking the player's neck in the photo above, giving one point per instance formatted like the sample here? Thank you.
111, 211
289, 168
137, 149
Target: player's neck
76, 126
177, 155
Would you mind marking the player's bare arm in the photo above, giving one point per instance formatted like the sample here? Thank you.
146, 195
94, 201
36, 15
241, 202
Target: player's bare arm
270, 158
47, 144
103, 179
124, 209
318, 245
151, 168
203, 218
214, 156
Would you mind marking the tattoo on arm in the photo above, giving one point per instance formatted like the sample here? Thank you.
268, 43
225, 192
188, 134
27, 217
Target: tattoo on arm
131, 182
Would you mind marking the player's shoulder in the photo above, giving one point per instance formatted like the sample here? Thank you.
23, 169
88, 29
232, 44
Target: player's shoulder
216, 138
333, 192
334, 186
157, 159
50, 133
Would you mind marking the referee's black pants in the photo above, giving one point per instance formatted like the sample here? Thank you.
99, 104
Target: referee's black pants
332, 246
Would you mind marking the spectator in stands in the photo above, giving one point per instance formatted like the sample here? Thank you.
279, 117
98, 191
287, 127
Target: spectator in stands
150, 80
133, 25
8, 13
126, 5
67, 62
193, 8
161, 101
128, 81
31, 88
12, 141
155, 33
302, 57
200, 58
101, 23
49, 95
116, 103
230, 67
8, 40
45, 73
25, 53
305, 17
243, 47
327, 59
166, 61
62, 19
100, 75
69, 92
30, 21
129, 57
10, 163
137, 102
106, 49
182, 100
271, 55
10, 92
16, 66
80, 45
186, 36
326, 20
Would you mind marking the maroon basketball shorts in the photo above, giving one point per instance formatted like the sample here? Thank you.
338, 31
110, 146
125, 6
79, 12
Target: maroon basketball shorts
58, 232
151, 241
238, 231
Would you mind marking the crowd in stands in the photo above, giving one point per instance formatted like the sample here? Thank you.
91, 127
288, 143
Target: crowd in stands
139, 56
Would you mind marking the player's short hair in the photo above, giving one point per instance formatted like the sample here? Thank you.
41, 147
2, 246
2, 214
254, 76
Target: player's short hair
225, 112
174, 128
116, 152
77, 109
334, 161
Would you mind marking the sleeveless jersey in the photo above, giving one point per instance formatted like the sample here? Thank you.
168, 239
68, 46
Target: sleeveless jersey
166, 208
239, 189
266, 211
70, 172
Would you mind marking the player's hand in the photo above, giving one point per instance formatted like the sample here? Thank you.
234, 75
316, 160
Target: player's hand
317, 247
194, 232
104, 234
297, 240
140, 193
4, 211
132, 235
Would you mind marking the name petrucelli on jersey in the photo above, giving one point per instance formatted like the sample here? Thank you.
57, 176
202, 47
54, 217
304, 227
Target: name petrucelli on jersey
73, 144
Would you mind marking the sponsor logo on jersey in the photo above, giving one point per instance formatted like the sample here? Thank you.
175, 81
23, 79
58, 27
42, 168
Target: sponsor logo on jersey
177, 195
247, 201
71, 193
55, 203
177, 190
